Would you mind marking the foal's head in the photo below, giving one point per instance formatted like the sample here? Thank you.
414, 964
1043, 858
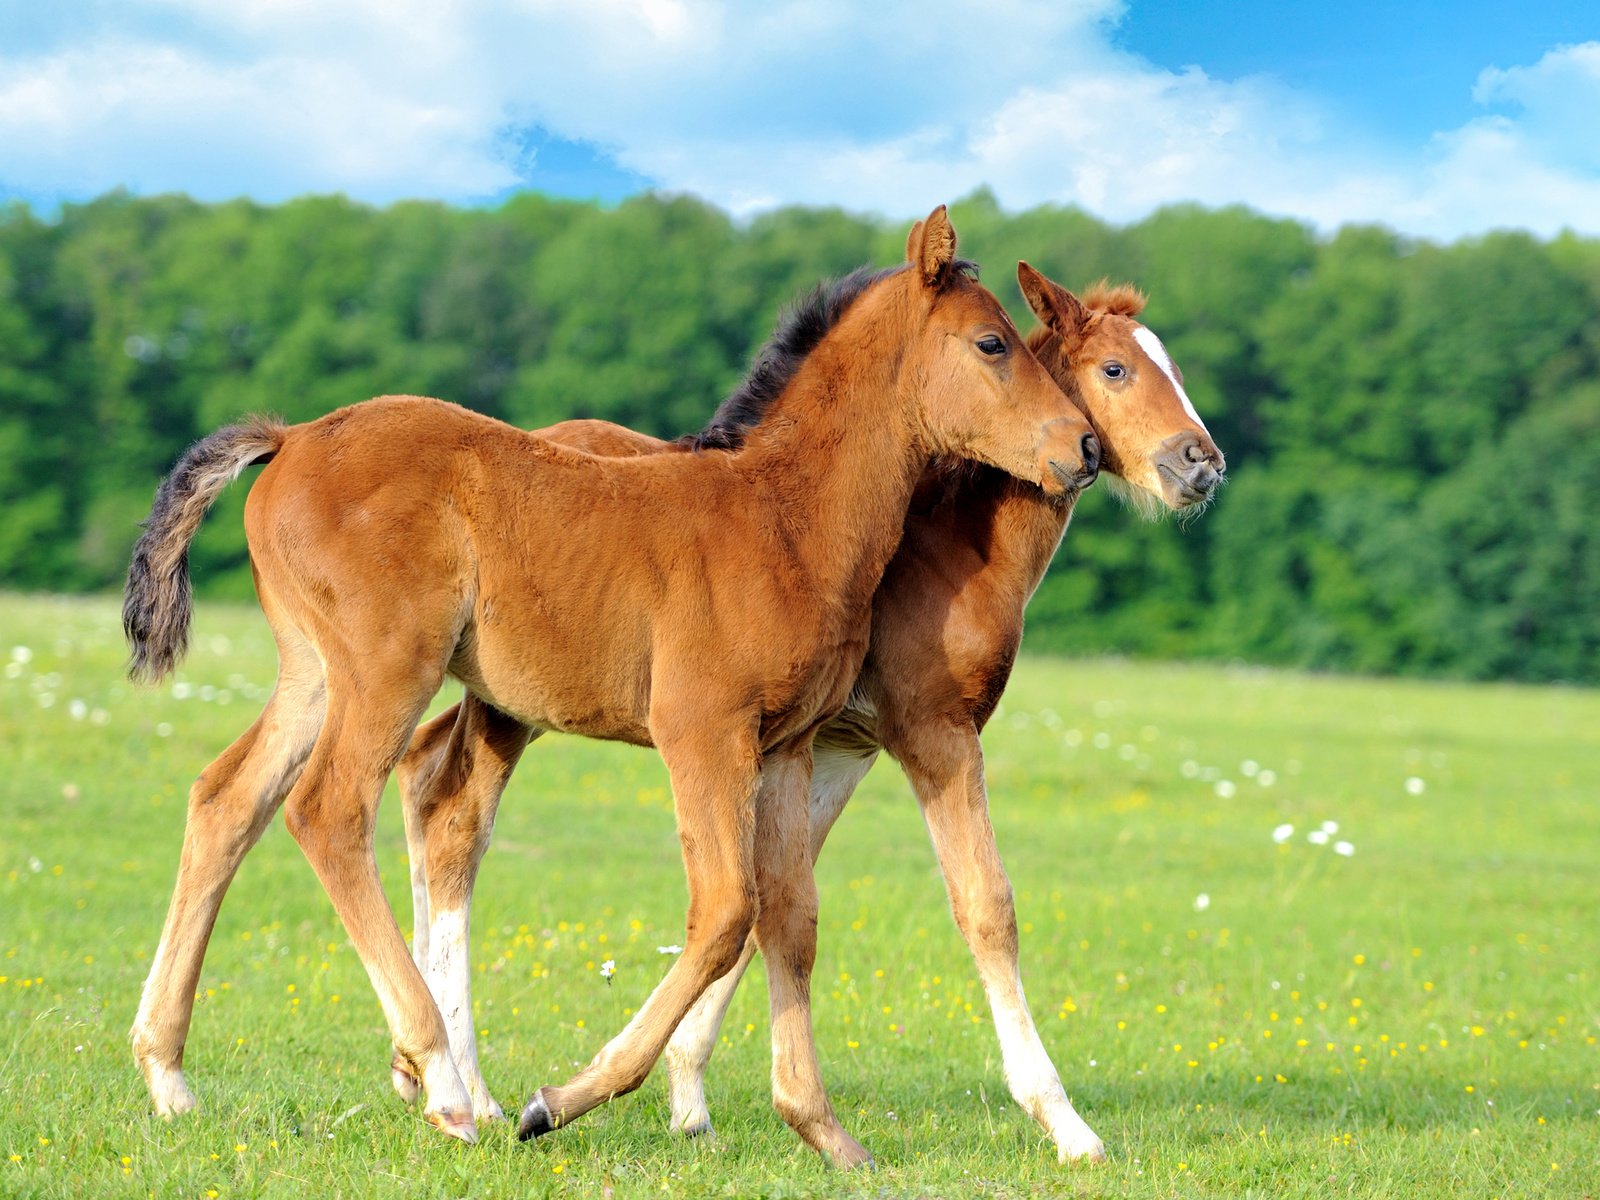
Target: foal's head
1120, 374
981, 393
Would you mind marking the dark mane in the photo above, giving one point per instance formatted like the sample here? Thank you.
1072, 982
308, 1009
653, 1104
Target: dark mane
800, 329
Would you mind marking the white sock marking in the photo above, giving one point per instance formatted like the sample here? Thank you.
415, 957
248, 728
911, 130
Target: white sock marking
450, 981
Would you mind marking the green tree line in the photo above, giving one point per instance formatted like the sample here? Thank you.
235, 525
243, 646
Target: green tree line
1410, 428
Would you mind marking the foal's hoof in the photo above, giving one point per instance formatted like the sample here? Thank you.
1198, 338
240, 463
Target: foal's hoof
1091, 1151
170, 1093
848, 1154
829, 1139
457, 1125
1078, 1143
406, 1083
536, 1120
697, 1126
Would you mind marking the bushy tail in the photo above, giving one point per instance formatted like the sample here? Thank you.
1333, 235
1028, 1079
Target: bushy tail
157, 601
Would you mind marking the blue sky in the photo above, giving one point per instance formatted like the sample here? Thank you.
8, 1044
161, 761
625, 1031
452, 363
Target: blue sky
1441, 120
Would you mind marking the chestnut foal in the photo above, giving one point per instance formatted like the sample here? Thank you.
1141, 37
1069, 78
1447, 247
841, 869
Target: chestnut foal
714, 605
947, 621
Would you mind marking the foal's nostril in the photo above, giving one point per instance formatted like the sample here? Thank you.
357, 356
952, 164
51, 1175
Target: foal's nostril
1195, 451
1090, 448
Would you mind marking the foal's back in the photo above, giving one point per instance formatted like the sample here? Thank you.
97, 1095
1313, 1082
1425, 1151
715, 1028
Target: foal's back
551, 580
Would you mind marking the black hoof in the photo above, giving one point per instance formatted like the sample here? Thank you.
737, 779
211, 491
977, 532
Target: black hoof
535, 1121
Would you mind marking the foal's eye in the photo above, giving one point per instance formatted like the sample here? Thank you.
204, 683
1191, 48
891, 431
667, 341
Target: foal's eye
1114, 370
991, 345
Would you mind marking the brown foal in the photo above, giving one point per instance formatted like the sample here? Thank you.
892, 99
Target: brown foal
947, 621
715, 605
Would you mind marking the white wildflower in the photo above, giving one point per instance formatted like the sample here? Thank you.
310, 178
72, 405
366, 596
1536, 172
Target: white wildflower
1283, 833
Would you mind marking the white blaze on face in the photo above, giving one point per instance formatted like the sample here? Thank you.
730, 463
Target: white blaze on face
1152, 346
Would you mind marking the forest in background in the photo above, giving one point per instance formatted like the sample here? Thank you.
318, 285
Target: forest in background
1410, 428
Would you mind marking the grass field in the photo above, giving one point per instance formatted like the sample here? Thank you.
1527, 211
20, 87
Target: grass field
1413, 1013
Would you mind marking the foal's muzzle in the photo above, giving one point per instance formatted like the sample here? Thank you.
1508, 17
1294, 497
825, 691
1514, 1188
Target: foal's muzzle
1073, 477
1191, 468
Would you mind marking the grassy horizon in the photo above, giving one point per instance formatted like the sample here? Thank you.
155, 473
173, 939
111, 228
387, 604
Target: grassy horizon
1411, 1013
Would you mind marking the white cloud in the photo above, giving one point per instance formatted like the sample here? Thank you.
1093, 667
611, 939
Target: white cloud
1559, 98
1538, 169
159, 117
876, 107
1491, 173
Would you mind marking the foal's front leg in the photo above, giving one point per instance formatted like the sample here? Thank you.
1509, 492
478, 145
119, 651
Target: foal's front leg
715, 770
834, 775
945, 765
787, 932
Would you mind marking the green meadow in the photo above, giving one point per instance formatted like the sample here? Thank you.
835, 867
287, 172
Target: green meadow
1395, 997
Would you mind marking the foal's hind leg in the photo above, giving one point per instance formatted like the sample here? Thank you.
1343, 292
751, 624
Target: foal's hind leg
229, 807
689, 1052
427, 753
945, 765
451, 780
429, 747
372, 710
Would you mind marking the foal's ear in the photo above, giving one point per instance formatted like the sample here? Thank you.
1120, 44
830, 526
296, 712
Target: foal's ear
931, 248
1057, 309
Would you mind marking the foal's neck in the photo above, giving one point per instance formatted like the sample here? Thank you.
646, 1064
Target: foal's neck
1028, 527
839, 454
